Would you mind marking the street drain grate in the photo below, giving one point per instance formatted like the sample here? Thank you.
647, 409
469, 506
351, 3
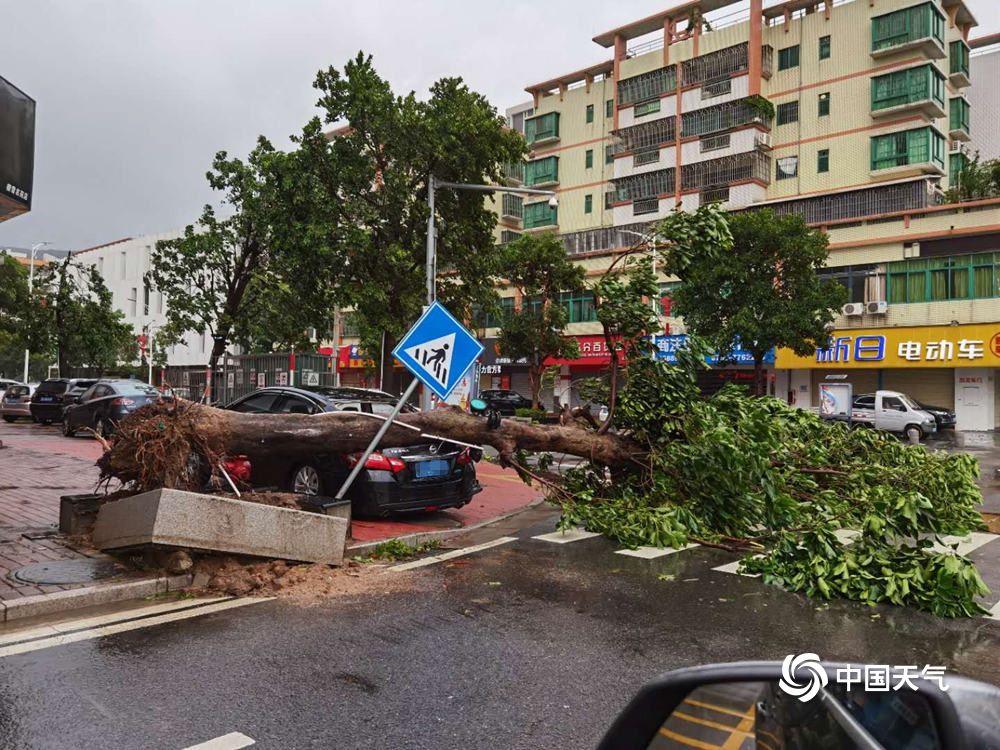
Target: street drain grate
62, 572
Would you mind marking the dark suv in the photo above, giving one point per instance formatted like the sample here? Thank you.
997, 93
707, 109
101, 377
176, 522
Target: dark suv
505, 402
106, 403
51, 398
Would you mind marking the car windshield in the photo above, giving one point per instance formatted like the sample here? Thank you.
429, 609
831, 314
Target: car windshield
135, 388
909, 402
17, 390
53, 386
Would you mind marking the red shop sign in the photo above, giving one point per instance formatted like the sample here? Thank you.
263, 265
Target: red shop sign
593, 352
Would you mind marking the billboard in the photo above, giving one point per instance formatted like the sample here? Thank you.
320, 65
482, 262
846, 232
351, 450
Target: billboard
17, 150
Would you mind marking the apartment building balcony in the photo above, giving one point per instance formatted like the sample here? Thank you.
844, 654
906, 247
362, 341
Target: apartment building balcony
513, 174
542, 129
958, 64
767, 62
958, 119
917, 150
542, 173
512, 206
919, 28
913, 90
540, 216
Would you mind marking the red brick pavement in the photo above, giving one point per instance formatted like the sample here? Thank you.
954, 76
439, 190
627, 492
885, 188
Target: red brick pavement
37, 466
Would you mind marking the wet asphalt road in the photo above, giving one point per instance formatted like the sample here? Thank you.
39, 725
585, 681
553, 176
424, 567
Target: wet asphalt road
525, 645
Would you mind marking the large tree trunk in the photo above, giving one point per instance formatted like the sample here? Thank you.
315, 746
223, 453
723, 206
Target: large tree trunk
143, 439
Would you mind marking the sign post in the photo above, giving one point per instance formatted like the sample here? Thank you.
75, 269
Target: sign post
438, 350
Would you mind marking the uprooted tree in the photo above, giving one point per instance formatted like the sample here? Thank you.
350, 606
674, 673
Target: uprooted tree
817, 508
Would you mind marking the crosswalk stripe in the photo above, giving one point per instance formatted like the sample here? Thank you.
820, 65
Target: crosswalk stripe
451, 554
994, 612
651, 553
966, 544
231, 741
565, 537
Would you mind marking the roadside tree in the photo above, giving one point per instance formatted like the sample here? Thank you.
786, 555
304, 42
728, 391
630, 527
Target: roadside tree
538, 269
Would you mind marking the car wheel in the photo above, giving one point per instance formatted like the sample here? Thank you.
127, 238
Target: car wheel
67, 430
306, 481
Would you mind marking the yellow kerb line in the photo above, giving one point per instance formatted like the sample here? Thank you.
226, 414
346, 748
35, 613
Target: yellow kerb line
713, 724
735, 741
713, 707
689, 741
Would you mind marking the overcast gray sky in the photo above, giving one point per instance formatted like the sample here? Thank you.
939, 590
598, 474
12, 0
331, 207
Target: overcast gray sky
135, 96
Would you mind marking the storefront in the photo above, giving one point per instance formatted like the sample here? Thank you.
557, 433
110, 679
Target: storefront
737, 367
355, 370
954, 366
499, 372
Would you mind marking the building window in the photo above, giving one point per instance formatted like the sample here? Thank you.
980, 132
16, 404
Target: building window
787, 168
920, 146
590, 113
609, 108
908, 25
823, 160
589, 158
540, 215
647, 108
542, 171
959, 114
588, 204
609, 154
958, 58
957, 277
542, 128
824, 48
715, 143
640, 158
788, 112
511, 205
788, 57
853, 278
580, 306
956, 165
824, 104
100, 266
124, 264
508, 235
133, 301
907, 86
145, 299
484, 319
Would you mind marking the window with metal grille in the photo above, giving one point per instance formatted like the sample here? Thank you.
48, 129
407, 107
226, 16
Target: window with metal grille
508, 235
959, 114
714, 195
716, 65
540, 215
542, 171
717, 88
824, 104
639, 158
907, 86
645, 185
609, 154
715, 143
824, 47
823, 160
918, 146
511, 205
788, 57
787, 168
647, 85
958, 61
907, 25
647, 108
788, 113
721, 117
646, 135
645, 206
542, 127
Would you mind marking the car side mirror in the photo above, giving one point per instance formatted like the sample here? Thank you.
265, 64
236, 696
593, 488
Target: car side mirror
75, 400
801, 702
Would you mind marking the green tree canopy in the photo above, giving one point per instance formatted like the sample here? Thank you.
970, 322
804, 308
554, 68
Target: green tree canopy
977, 180
757, 287
538, 268
362, 195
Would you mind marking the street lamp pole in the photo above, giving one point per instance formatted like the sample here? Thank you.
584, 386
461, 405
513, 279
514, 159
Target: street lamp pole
431, 261
31, 288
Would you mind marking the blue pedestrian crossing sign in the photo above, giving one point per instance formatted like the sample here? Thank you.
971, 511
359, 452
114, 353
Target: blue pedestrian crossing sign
438, 350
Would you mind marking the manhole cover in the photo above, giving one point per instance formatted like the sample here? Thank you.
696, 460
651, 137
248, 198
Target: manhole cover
62, 572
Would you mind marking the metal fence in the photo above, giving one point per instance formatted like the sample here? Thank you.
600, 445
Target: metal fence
238, 375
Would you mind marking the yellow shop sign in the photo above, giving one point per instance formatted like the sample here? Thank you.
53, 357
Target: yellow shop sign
976, 345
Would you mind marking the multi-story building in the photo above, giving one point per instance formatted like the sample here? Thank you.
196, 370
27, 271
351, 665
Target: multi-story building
123, 265
853, 114
984, 65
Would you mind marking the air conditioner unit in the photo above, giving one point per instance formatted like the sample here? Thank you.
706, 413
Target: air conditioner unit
853, 309
880, 307
956, 147
763, 140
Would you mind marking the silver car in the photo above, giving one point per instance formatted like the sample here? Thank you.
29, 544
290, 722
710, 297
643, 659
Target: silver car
16, 402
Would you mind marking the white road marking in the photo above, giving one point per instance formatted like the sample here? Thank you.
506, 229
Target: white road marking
994, 612
733, 567
565, 537
452, 554
966, 544
231, 741
651, 553
82, 623
123, 627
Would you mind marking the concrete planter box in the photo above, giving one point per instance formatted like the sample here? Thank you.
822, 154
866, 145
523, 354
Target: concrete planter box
172, 518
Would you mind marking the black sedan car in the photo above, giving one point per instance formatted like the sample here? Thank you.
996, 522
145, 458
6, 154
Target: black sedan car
105, 403
944, 417
505, 402
51, 398
425, 476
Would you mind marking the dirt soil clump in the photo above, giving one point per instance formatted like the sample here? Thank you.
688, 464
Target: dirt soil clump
306, 583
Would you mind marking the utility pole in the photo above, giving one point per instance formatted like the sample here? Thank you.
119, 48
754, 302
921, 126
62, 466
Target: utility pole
31, 289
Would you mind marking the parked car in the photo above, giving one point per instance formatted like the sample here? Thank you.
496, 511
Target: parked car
51, 398
5, 383
944, 416
421, 477
104, 404
505, 402
16, 402
892, 411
